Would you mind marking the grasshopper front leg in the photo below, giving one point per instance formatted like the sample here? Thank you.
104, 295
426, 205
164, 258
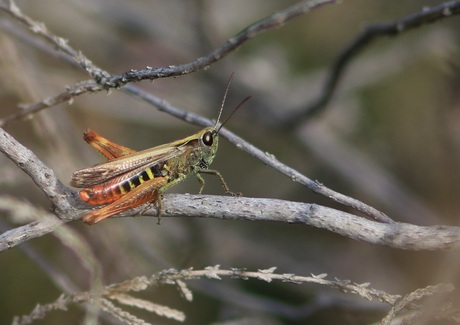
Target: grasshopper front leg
215, 173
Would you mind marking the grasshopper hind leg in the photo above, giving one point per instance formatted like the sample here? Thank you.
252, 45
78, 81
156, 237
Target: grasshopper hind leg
149, 191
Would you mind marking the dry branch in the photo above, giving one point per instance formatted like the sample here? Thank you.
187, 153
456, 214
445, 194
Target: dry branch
397, 235
42, 175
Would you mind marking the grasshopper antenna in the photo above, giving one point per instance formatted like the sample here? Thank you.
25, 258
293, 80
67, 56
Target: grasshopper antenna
233, 112
223, 102
223, 99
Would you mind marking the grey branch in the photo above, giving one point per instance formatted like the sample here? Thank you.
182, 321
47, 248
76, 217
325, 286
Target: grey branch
42, 175
393, 234
62, 44
397, 235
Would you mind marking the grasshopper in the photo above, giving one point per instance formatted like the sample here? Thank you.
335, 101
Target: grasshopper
130, 178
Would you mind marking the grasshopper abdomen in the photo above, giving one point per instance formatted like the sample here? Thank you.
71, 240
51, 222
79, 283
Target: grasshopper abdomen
113, 190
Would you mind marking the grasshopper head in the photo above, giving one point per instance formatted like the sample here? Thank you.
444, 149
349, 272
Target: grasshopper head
209, 140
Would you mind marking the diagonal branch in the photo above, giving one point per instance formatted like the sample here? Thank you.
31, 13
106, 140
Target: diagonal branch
264, 157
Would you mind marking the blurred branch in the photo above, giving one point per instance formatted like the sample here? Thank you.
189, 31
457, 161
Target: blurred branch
369, 34
10, 7
119, 292
368, 176
66, 96
28, 110
410, 299
106, 81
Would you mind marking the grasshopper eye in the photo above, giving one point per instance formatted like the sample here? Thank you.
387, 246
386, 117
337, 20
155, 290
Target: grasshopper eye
208, 138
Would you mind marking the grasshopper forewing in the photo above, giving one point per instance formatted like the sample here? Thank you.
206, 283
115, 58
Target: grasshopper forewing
129, 178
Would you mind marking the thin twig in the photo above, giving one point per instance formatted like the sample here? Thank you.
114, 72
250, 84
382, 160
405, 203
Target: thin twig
103, 80
274, 21
371, 33
66, 96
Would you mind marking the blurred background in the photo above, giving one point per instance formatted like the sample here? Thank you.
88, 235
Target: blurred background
390, 137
